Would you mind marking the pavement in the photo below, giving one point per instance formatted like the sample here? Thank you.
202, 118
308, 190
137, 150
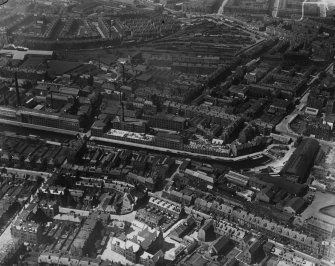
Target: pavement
6, 237
278, 164
130, 217
171, 253
284, 126
7, 242
321, 200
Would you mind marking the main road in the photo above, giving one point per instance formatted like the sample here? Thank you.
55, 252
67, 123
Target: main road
241, 158
284, 126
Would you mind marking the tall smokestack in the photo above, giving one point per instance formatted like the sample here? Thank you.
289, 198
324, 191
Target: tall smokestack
51, 99
5, 100
122, 107
123, 75
122, 116
18, 101
110, 29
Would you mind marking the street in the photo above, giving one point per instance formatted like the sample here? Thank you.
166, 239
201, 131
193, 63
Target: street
284, 126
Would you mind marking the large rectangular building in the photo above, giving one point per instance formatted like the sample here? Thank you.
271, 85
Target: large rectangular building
301, 161
237, 179
166, 121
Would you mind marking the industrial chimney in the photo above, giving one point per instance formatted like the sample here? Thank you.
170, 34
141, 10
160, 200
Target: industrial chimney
120, 98
51, 98
122, 114
110, 28
122, 106
18, 101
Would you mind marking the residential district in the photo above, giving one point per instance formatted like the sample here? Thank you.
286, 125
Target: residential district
196, 132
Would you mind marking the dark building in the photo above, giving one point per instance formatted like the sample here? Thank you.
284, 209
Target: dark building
255, 145
184, 228
152, 219
63, 120
206, 232
168, 140
255, 252
220, 246
298, 166
315, 100
166, 121
130, 124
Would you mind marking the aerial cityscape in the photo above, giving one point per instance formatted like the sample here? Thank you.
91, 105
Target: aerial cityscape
167, 132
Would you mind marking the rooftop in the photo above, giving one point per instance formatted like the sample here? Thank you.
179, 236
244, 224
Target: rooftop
20, 55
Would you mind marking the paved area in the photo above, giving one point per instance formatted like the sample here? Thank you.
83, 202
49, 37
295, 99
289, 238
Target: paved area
284, 125
130, 217
174, 245
109, 254
283, 263
321, 200
5, 238
278, 164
